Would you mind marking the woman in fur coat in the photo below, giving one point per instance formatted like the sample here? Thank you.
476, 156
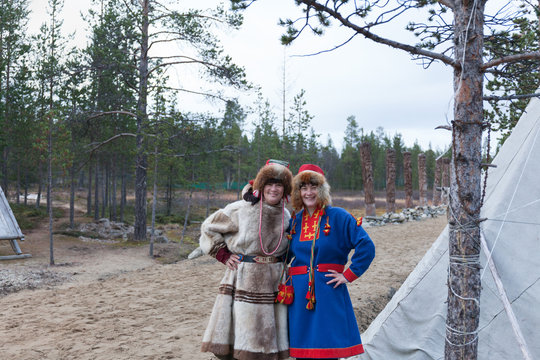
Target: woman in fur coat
322, 323
248, 237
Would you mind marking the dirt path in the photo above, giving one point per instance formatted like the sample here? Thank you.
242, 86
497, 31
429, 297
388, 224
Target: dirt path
121, 304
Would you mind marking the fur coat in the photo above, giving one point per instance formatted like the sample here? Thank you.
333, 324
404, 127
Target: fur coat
245, 322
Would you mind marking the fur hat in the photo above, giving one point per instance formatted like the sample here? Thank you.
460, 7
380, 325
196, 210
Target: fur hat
273, 171
310, 174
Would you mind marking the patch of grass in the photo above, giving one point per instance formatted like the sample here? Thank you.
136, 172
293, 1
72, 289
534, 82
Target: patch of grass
170, 219
28, 216
130, 244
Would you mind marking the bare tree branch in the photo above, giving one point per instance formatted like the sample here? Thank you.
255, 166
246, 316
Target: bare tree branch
117, 136
328, 50
368, 34
510, 97
510, 59
196, 93
105, 113
449, 3
226, 148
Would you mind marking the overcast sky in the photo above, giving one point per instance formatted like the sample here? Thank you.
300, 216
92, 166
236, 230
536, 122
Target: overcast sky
379, 85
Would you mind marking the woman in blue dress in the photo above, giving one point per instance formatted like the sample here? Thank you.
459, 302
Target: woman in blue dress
322, 323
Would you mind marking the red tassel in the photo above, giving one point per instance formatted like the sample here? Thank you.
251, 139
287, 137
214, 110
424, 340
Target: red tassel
326, 229
311, 303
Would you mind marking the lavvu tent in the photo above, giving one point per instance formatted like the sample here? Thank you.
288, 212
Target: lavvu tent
9, 229
413, 324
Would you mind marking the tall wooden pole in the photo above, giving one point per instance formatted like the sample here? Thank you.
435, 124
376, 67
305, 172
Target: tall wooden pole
367, 174
390, 180
437, 183
422, 180
464, 284
407, 174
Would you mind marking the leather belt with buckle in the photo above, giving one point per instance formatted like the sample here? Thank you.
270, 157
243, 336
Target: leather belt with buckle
260, 259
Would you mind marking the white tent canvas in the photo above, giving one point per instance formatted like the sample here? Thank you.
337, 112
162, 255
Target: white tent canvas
9, 228
413, 324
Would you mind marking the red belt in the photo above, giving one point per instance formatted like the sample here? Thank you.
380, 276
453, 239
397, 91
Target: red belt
300, 270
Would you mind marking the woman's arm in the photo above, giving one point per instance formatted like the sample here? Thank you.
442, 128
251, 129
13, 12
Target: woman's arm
213, 230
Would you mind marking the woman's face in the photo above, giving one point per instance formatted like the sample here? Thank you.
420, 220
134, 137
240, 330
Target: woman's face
273, 193
309, 194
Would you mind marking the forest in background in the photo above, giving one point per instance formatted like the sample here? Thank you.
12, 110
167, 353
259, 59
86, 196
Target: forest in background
104, 118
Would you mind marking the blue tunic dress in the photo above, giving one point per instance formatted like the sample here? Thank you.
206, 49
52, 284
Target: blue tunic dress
330, 329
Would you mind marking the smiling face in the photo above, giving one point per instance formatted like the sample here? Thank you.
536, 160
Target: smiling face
273, 193
310, 196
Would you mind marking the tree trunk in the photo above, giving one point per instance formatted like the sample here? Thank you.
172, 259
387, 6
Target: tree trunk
80, 181
25, 186
72, 196
208, 190
407, 175
238, 189
96, 192
5, 182
141, 164
103, 185
113, 191
464, 283
169, 191
89, 193
40, 182
422, 180
123, 193
367, 173
154, 200
49, 191
437, 183
18, 185
390, 180
186, 218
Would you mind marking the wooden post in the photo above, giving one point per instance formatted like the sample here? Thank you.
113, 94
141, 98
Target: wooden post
437, 183
422, 180
390, 180
367, 174
407, 174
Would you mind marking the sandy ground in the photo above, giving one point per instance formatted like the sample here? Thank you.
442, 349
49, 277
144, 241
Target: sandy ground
118, 303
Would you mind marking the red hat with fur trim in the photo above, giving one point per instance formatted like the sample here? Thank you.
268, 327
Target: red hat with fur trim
314, 175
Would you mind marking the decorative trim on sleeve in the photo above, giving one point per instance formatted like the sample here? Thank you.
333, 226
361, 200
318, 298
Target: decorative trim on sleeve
223, 255
349, 275
357, 219
216, 248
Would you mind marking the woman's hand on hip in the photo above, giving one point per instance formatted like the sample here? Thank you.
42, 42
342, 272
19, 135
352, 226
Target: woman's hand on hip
233, 261
337, 278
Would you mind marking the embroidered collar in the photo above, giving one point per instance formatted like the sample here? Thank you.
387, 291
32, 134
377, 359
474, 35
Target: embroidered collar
310, 224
